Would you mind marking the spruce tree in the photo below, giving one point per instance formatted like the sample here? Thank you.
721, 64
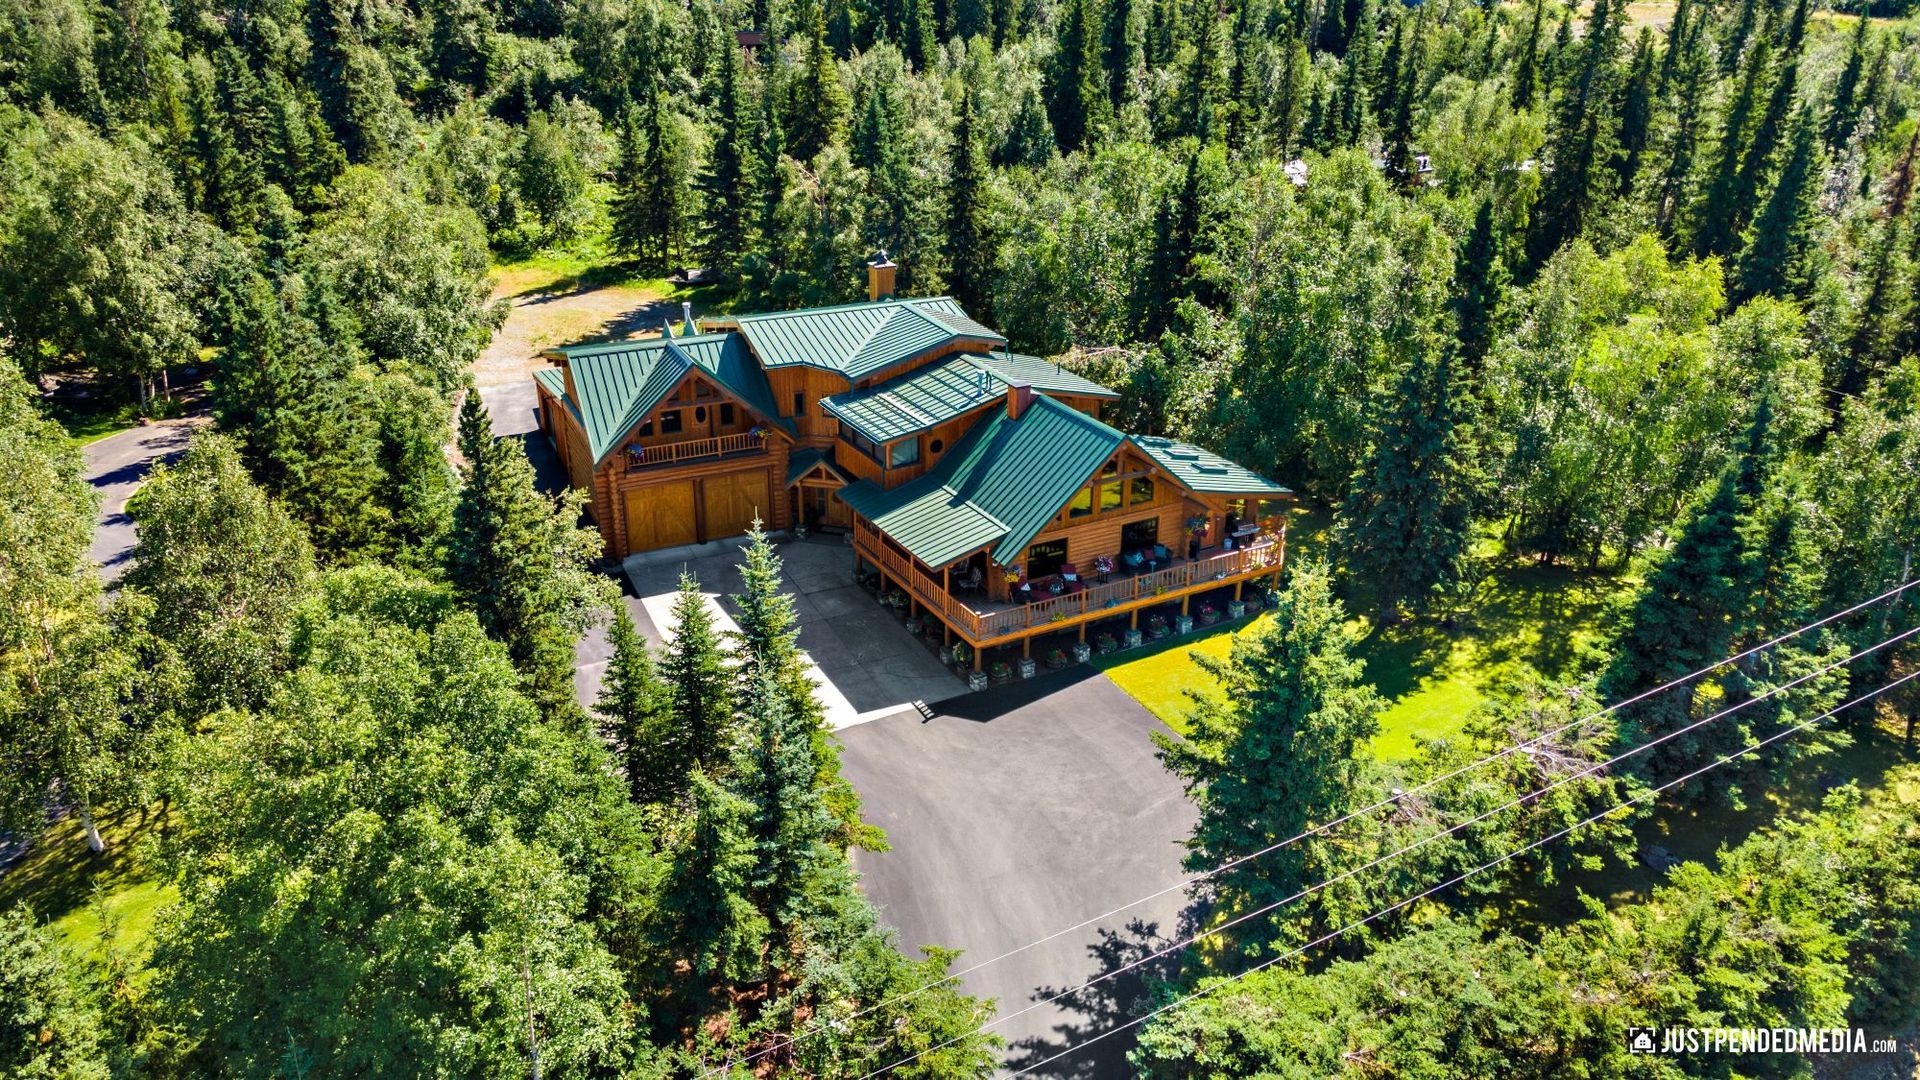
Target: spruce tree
1636, 113
1170, 266
1030, 139
1716, 227
1773, 125
666, 176
1844, 114
1526, 75
1774, 260
1200, 92
1290, 102
1280, 750
775, 772
1407, 522
1580, 135
919, 34
630, 213
1684, 616
972, 19
970, 254
1076, 90
474, 431
1121, 52
632, 710
1479, 280
772, 182
700, 689
821, 105
519, 560
728, 192
707, 911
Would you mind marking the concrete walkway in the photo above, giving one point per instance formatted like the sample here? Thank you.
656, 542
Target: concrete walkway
1013, 814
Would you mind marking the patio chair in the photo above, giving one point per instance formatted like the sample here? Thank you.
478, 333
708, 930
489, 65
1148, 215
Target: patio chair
1133, 562
1161, 556
1070, 578
969, 581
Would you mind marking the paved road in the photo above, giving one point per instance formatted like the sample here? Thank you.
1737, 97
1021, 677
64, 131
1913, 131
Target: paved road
1014, 814
116, 466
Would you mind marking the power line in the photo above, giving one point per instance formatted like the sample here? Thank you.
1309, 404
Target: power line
1482, 868
1422, 842
814, 1026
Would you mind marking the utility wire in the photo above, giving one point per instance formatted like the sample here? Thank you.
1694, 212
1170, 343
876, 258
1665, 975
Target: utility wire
814, 1026
1422, 842
1482, 868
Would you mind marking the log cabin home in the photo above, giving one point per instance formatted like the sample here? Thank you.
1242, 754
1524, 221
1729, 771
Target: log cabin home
980, 483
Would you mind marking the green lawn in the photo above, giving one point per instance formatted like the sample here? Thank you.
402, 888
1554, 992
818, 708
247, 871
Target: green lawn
1526, 618
82, 894
91, 425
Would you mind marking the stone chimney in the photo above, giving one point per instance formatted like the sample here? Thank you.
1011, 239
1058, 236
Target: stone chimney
1019, 396
880, 276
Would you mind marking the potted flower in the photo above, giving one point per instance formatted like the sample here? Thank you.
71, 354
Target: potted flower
999, 672
1103, 566
1157, 627
897, 600
758, 431
1209, 615
1056, 660
1106, 643
1013, 575
961, 653
915, 625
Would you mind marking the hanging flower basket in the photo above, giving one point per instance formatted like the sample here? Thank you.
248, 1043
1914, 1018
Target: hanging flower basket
758, 431
1013, 575
636, 454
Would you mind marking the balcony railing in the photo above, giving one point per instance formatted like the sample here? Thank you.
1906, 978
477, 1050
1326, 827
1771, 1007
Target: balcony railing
678, 453
1116, 596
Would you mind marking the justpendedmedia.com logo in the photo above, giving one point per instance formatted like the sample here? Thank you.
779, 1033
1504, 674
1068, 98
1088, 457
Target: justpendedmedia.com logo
1682, 1040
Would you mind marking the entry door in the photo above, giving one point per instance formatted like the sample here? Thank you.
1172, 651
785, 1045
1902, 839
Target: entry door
732, 502
826, 509
659, 516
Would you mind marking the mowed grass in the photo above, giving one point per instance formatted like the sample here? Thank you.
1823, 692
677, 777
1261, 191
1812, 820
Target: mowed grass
1526, 619
97, 903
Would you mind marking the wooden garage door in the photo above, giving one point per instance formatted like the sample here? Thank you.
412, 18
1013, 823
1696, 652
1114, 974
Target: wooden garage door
733, 501
659, 516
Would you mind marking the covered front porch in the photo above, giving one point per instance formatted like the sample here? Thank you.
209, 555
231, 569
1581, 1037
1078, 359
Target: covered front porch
968, 614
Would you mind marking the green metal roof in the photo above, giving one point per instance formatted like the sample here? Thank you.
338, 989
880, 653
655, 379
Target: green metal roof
930, 396
1204, 470
1043, 375
617, 384
857, 340
927, 518
999, 485
804, 459
553, 379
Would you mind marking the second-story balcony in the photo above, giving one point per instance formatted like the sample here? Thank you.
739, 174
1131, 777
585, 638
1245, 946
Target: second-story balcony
691, 451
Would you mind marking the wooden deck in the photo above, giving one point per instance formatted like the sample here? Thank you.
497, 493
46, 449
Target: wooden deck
986, 624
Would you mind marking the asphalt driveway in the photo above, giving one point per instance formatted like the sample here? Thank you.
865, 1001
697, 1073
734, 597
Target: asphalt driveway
116, 466
1016, 813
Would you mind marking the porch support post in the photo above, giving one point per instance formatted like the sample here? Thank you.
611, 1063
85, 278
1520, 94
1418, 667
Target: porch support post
1236, 589
976, 656
1136, 619
1026, 647
1184, 600
946, 633
1083, 633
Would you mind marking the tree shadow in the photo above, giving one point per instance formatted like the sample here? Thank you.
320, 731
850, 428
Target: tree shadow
1097, 1010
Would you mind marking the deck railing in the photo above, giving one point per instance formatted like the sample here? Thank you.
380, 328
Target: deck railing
986, 627
674, 453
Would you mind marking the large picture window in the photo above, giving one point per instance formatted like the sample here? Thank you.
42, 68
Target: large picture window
904, 452
1135, 535
1082, 504
1141, 491
1045, 559
1110, 496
